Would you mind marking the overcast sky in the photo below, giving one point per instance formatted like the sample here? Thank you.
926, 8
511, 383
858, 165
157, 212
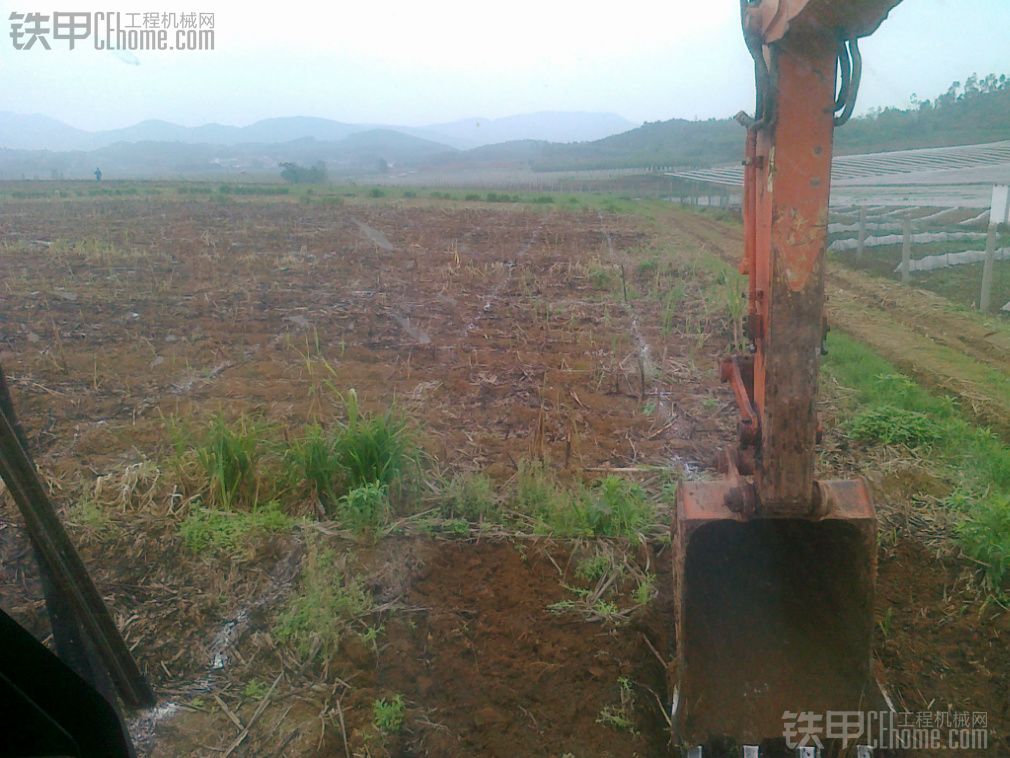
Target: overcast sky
417, 62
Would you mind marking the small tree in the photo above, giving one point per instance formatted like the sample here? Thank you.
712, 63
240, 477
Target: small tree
298, 174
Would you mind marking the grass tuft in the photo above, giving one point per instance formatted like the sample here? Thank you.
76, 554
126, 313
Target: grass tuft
228, 455
469, 496
985, 537
373, 448
311, 460
352, 469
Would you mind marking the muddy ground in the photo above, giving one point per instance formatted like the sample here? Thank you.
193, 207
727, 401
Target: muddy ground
504, 333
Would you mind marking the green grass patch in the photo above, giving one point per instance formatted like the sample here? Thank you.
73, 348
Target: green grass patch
645, 590
218, 530
613, 507
959, 284
255, 690
891, 425
620, 716
331, 603
592, 568
892, 408
985, 537
602, 277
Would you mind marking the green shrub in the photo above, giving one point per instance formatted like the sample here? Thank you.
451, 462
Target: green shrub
298, 174
364, 508
892, 425
387, 715
376, 192
502, 197
601, 277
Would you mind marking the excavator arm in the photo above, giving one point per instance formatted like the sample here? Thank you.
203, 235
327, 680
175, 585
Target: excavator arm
798, 45
774, 569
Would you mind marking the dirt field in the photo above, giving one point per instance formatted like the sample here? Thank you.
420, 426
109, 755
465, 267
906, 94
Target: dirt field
506, 333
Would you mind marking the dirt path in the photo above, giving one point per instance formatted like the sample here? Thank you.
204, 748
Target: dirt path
951, 350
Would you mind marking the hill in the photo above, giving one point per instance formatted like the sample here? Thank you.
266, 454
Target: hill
976, 111
37, 132
973, 112
545, 126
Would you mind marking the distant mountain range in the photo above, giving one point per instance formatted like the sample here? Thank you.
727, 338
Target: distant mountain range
37, 132
41, 147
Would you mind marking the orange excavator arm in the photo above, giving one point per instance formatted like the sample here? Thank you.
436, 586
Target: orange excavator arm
774, 570
797, 45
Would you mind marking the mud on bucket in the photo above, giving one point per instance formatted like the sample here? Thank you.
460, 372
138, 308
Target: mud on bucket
773, 615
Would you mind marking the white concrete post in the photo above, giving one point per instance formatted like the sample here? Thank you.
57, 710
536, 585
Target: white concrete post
906, 250
990, 255
861, 247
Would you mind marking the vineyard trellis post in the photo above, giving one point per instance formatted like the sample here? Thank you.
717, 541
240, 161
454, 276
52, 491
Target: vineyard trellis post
990, 254
906, 249
861, 246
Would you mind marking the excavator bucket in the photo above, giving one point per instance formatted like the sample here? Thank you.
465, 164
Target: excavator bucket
774, 615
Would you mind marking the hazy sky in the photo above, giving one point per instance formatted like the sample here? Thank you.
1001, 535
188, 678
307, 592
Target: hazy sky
417, 62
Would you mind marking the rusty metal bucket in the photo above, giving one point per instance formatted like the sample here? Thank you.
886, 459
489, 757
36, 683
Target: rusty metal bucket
773, 614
